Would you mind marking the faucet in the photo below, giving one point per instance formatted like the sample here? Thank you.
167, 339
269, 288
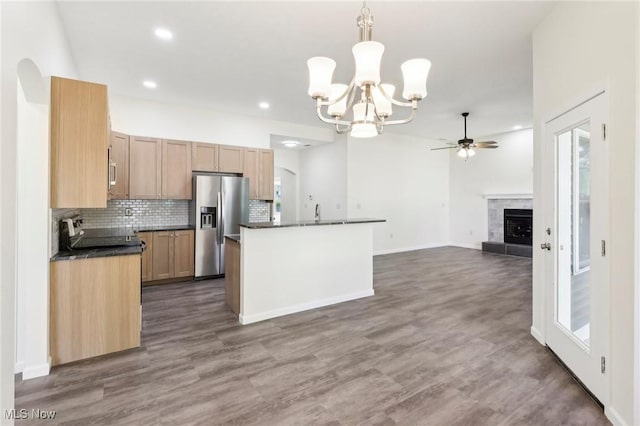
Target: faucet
317, 211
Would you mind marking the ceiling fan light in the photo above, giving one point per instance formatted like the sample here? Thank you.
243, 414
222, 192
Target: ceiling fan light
415, 73
320, 74
462, 153
471, 152
368, 55
339, 108
383, 105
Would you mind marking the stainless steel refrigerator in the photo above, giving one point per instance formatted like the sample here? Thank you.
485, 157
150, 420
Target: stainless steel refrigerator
220, 204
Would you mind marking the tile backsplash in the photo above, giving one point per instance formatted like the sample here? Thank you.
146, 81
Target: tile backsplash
496, 214
258, 211
143, 213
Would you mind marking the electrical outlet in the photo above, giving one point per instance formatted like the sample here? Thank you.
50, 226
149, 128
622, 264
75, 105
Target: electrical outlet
391, 236
128, 212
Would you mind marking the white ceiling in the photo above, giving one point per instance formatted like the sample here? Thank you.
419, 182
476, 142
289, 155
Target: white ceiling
232, 55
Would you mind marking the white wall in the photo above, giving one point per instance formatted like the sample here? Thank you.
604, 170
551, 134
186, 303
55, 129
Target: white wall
578, 47
323, 177
398, 178
148, 118
29, 30
32, 298
506, 170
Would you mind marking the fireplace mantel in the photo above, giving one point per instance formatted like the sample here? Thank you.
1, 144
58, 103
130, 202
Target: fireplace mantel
522, 196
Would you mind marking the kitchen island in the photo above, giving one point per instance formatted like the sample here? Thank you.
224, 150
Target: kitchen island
292, 267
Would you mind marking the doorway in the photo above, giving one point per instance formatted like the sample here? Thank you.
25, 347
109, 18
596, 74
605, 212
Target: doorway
286, 199
576, 169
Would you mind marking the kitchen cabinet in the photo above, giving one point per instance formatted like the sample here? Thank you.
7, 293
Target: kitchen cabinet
176, 170
231, 159
266, 175
173, 254
183, 254
232, 275
79, 126
118, 182
145, 168
147, 256
159, 169
94, 307
204, 157
252, 171
258, 167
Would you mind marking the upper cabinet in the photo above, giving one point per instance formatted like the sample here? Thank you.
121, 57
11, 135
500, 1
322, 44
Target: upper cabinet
231, 159
159, 169
204, 157
258, 167
266, 175
79, 143
118, 166
176, 170
252, 171
145, 168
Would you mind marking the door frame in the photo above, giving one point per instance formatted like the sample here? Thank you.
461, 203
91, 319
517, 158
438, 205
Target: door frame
539, 331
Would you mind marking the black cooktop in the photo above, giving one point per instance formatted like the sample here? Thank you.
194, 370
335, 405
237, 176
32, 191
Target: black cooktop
108, 237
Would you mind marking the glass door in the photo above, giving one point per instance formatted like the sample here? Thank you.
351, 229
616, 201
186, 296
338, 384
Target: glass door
576, 215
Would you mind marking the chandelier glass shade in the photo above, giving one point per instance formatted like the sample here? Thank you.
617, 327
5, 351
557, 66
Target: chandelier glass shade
363, 106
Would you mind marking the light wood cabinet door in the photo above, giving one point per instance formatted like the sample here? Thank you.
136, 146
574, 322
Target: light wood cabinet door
204, 157
252, 171
162, 255
94, 307
145, 168
79, 141
231, 159
232, 275
176, 170
119, 166
147, 256
184, 259
266, 174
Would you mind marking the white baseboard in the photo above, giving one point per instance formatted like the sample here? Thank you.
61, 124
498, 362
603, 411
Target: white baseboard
19, 367
404, 249
614, 417
38, 370
248, 319
538, 336
474, 246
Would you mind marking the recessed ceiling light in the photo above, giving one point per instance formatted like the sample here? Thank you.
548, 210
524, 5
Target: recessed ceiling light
150, 84
163, 33
290, 144
264, 105
518, 127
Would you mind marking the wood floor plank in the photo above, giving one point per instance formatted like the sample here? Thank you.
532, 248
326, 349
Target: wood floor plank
444, 341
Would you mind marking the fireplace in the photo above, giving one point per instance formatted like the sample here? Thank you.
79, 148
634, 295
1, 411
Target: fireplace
518, 224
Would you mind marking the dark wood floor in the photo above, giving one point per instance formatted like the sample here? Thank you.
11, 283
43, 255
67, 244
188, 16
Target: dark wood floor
444, 341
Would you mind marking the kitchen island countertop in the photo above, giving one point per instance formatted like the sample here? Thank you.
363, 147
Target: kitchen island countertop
266, 225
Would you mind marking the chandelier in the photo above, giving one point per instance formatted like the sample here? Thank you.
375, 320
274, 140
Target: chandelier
366, 101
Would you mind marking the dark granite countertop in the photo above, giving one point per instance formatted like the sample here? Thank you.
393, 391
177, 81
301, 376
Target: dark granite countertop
96, 252
264, 225
233, 237
163, 228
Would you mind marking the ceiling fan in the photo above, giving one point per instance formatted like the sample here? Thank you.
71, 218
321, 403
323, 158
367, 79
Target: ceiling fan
466, 146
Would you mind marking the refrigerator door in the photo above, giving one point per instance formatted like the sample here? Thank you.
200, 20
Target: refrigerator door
208, 224
235, 207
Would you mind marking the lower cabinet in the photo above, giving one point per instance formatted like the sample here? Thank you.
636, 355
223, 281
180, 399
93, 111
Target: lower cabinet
94, 307
232, 275
168, 254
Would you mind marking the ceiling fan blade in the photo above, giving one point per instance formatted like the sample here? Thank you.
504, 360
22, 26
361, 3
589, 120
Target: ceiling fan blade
487, 147
485, 143
446, 147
